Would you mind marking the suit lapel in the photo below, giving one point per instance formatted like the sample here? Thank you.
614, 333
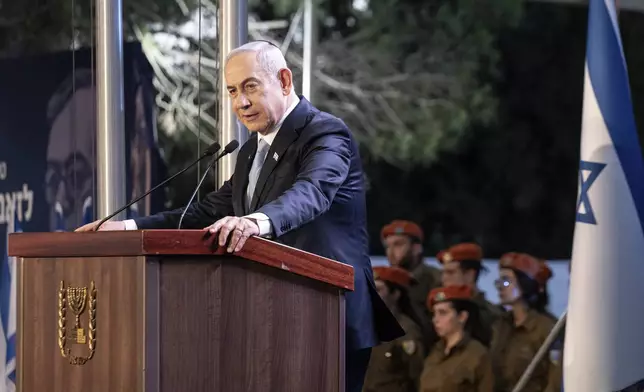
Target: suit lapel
244, 162
288, 133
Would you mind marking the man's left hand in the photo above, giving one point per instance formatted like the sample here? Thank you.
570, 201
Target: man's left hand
240, 228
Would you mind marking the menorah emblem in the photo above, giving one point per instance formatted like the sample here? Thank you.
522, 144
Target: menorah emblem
77, 298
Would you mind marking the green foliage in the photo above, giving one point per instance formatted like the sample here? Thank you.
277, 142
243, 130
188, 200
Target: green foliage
269, 9
513, 186
440, 58
411, 78
36, 26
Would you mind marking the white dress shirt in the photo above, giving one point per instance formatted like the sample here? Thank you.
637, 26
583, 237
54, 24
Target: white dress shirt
264, 223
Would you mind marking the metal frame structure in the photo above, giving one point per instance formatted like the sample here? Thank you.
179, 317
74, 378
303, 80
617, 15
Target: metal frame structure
233, 32
110, 141
309, 45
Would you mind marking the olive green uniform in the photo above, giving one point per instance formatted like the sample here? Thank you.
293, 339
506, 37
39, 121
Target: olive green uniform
466, 368
513, 348
396, 366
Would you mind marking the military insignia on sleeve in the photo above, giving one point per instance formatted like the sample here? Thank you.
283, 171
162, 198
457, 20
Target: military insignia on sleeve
555, 356
409, 346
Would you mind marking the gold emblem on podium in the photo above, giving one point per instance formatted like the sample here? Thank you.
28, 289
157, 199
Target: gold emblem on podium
77, 299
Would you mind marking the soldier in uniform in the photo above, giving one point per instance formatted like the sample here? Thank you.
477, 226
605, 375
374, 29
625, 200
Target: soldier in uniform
556, 350
403, 242
462, 265
543, 276
459, 362
520, 332
396, 366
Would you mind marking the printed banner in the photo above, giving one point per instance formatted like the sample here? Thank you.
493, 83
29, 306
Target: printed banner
48, 152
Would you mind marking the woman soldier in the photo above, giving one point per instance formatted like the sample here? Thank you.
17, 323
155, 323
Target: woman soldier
459, 362
518, 334
556, 350
542, 277
395, 366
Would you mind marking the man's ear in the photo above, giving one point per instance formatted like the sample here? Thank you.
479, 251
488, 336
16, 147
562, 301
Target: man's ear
285, 77
417, 249
470, 275
463, 316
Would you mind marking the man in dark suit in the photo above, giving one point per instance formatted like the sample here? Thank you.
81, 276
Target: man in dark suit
297, 180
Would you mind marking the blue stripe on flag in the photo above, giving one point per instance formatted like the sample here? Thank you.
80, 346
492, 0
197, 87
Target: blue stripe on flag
609, 79
11, 354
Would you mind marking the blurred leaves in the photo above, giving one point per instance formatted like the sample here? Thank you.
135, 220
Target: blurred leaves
36, 26
427, 70
411, 77
414, 78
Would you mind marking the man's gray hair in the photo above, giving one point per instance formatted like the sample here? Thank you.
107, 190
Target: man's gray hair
269, 57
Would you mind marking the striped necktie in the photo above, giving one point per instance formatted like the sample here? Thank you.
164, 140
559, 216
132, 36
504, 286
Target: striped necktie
253, 176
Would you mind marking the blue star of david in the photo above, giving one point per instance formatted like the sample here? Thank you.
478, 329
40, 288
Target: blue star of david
594, 168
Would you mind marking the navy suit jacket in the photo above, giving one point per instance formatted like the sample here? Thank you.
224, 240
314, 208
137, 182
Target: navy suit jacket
311, 186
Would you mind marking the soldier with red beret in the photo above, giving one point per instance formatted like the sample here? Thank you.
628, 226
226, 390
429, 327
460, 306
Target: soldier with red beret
556, 350
462, 265
518, 334
396, 366
459, 362
542, 277
403, 243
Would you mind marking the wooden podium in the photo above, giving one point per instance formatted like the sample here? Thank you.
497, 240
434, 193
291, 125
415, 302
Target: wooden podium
159, 310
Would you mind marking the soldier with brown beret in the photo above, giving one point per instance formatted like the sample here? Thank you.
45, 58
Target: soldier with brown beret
518, 334
403, 243
543, 276
459, 362
396, 366
556, 350
462, 265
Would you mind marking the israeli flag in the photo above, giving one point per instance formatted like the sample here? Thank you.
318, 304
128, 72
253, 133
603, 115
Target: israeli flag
8, 303
604, 345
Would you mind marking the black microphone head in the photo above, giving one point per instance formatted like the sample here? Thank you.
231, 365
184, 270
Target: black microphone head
230, 147
212, 150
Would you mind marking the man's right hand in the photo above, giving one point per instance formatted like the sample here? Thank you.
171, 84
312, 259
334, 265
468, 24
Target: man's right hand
107, 226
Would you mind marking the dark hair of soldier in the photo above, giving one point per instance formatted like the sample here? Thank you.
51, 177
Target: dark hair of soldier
531, 292
404, 302
473, 325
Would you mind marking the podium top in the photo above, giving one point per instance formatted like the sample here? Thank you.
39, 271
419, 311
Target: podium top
178, 242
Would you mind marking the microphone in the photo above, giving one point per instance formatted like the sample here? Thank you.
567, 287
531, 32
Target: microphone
230, 147
210, 151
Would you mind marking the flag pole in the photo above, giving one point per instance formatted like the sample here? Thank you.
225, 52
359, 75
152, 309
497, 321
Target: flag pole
550, 339
110, 141
309, 50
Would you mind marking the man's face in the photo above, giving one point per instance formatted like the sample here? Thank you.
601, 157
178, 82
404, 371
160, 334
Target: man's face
400, 251
453, 275
258, 99
69, 178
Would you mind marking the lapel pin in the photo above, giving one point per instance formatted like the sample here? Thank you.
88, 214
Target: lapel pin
275, 156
